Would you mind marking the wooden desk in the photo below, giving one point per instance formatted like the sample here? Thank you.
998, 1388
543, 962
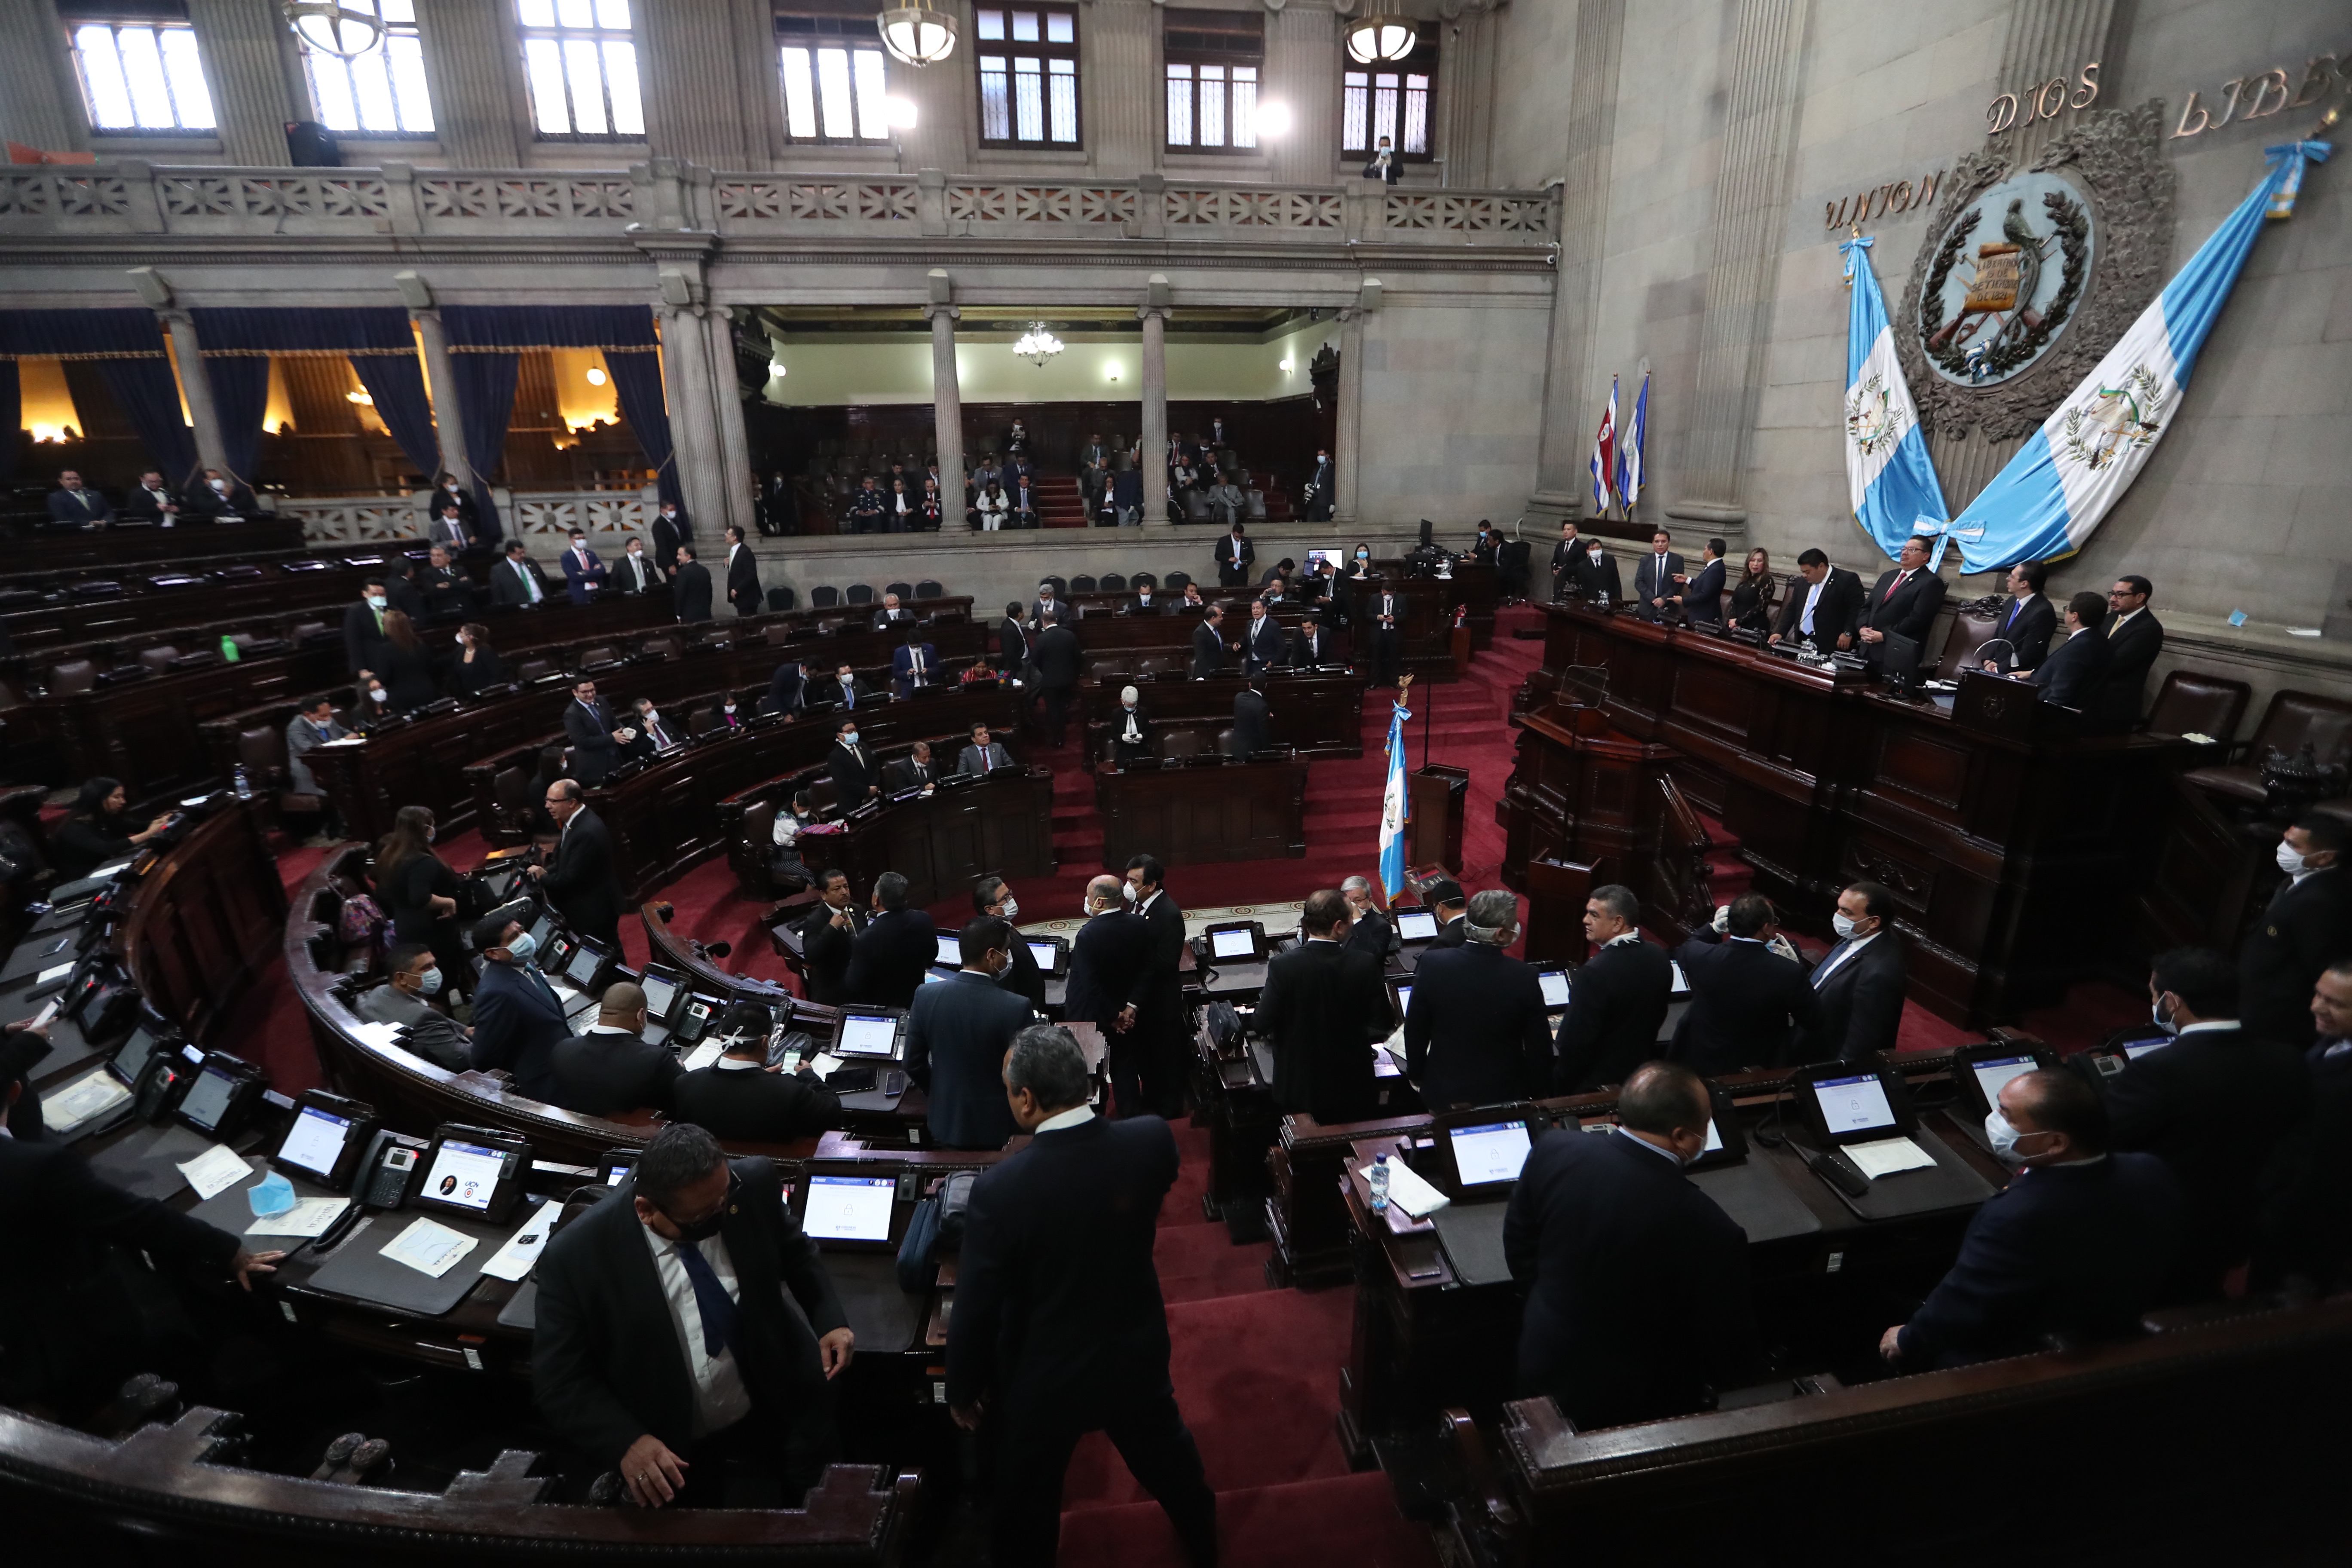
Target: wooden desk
38, 548
204, 920
1194, 816
1318, 714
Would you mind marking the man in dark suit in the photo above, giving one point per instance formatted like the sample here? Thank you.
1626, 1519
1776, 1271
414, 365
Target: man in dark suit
1208, 643
152, 502
2305, 928
2306, 1220
1253, 721
518, 579
1474, 1033
2213, 1104
1050, 609
985, 755
1152, 1077
1110, 950
1903, 600
1858, 986
638, 571
1450, 908
739, 1096
690, 587
1373, 934
664, 1347
1059, 1327
1319, 487
363, 627
2135, 636
452, 528
787, 690
1618, 1003
2074, 673
75, 502
670, 530
957, 1035
843, 689
1748, 1002
1022, 977
1384, 613
1131, 728
2079, 1244
914, 663
912, 772
1053, 662
518, 1019
1655, 577
1146, 602
2028, 622
1234, 553
888, 959
1264, 645
1011, 657
584, 570
1639, 1307
1821, 607
611, 1069
892, 613
216, 497
828, 935
581, 884
1565, 557
1701, 598
1595, 575
742, 576
855, 778
1310, 644
596, 737
1322, 1009
447, 592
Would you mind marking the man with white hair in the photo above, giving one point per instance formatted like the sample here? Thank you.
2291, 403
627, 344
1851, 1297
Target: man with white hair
1474, 1033
1131, 728
1371, 933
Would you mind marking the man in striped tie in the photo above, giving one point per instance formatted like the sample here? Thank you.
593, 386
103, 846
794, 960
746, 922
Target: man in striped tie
1858, 988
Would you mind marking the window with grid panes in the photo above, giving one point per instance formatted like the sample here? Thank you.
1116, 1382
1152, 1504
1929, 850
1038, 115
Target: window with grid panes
1028, 63
1390, 100
138, 66
834, 77
581, 59
1215, 60
381, 92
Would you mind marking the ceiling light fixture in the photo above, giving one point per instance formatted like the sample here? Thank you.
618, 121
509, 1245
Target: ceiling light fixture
344, 31
1382, 40
595, 375
1037, 345
916, 36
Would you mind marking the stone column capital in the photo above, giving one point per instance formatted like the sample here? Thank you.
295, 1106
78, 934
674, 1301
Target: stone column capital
954, 313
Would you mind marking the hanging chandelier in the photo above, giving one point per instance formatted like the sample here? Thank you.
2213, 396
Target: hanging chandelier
915, 36
1382, 40
1037, 345
344, 31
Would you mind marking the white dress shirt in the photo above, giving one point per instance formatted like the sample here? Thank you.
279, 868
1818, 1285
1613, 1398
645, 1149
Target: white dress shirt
1837, 960
1076, 1116
720, 1397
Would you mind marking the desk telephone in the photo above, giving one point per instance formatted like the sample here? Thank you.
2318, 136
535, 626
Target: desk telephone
387, 1169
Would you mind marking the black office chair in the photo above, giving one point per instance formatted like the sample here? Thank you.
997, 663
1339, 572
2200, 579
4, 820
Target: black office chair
926, 589
858, 593
1177, 581
1142, 580
1080, 585
823, 597
900, 589
1112, 583
781, 598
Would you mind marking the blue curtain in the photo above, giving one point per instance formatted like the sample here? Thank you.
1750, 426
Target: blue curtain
637, 384
396, 381
240, 397
496, 333
129, 346
382, 349
486, 394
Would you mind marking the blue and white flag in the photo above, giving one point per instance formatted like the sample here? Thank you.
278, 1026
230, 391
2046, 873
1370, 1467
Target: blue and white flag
1629, 450
2071, 472
1395, 809
1889, 479
1604, 446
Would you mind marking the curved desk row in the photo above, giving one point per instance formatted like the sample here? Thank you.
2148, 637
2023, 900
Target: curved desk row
1318, 712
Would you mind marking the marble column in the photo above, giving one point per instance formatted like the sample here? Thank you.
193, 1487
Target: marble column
1302, 72
1152, 445
473, 70
695, 107
1120, 88
248, 64
725, 395
693, 433
196, 389
1351, 397
448, 419
946, 409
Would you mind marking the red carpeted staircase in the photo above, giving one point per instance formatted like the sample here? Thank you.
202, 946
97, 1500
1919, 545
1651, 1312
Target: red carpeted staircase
1059, 502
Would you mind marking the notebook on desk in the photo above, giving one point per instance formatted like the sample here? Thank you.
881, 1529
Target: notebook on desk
1472, 1235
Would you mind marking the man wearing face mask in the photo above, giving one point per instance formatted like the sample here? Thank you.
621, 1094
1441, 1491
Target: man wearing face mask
2080, 1243
2306, 927
991, 897
581, 882
2212, 1105
363, 629
219, 499
855, 778
405, 999
638, 574
828, 934
957, 1035
1595, 573
1639, 1307
1131, 728
1858, 986
1106, 956
670, 530
518, 1020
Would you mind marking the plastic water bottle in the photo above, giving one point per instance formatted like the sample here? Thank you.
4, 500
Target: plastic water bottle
1379, 1183
244, 785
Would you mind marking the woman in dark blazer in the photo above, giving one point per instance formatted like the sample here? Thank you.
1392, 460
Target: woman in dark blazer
474, 663
407, 667
1751, 597
420, 892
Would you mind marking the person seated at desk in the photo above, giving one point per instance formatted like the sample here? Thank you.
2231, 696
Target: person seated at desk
663, 1348
1639, 1307
2080, 1243
740, 1097
957, 1035
828, 933
653, 734
94, 833
610, 1067
1617, 1002
892, 612
785, 867
518, 580
2213, 1105
518, 1019
405, 999
1371, 933
1858, 986
584, 570
915, 663
2305, 1218
1902, 601
2028, 624
1749, 995
985, 755
2304, 928
1146, 602
2071, 675
152, 502
1322, 1008
307, 730
843, 690
855, 779
1059, 1327
1131, 728
1474, 1034
991, 897
886, 959
219, 499
1823, 614
912, 772
447, 592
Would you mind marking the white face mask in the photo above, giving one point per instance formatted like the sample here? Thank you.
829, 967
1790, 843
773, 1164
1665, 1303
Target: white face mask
1011, 910
2003, 1136
221, 486
377, 601
1843, 923
381, 695
1127, 891
2289, 861
2156, 1010
652, 717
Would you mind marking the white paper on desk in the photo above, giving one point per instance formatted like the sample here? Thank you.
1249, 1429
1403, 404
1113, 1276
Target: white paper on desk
81, 1100
429, 1249
214, 1170
378, 1035
45, 1015
54, 972
514, 1260
825, 1064
110, 871
703, 1054
1410, 1193
1885, 1156
308, 1217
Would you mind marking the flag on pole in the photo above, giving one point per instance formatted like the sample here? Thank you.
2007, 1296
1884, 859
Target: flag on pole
1604, 453
2071, 472
1629, 451
1395, 809
1890, 480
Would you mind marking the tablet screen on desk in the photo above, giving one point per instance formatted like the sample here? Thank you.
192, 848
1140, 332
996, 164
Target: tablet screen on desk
2137, 1048
1714, 1139
1404, 997
1045, 954
1236, 943
1856, 1104
850, 1208
1995, 1071
1416, 925
951, 950
1555, 986
543, 929
132, 1059
315, 1142
1485, 1155
464, 1174
209, 1099
867, 1034
661, 995
584, 965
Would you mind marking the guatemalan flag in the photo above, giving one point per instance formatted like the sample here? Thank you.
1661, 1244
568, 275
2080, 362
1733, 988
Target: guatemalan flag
1889, 479
1604, 452
1629, 451
1394, 808
2070, 472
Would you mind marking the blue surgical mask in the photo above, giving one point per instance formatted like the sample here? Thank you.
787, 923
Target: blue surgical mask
522, 947
431, 983
377, 601
850, 739
1842, 923
1363, 555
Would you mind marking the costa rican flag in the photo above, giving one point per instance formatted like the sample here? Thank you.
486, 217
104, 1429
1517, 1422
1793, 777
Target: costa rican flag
1629, 451
1604, 453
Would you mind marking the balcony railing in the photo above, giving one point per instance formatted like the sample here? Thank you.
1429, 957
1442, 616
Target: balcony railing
136, 198
537, 517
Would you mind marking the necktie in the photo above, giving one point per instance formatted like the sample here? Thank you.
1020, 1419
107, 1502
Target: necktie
918, 664
848, 695
2014, 606
1836, 957
718, 1308
1891, 587
984, 759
